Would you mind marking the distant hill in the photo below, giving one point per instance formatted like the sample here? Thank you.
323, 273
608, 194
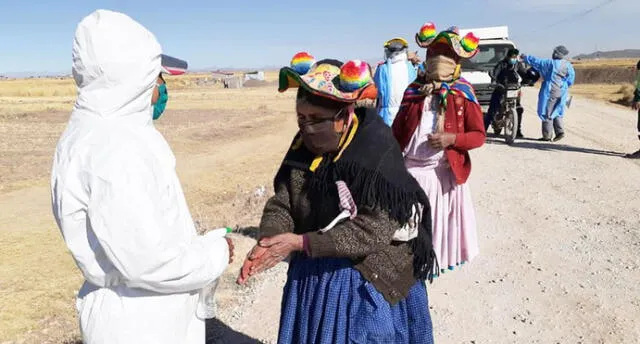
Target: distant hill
615, 54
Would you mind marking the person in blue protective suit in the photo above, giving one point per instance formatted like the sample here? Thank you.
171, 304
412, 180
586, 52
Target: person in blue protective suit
392, 78
559, 76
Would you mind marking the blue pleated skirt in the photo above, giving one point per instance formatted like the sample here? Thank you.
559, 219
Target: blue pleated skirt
328, 301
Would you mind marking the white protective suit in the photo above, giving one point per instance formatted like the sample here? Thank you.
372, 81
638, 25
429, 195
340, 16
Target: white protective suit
117, 199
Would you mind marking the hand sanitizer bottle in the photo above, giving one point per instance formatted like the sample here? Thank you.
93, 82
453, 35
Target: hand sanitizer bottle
207, 307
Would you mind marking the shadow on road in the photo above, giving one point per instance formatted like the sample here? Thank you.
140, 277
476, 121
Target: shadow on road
528, 143
219, 333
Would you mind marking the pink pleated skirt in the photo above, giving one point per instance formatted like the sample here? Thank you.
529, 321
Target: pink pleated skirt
455, 237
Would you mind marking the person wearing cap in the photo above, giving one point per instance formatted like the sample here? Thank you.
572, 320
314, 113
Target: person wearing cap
508, 71
118, 201
392, 78
559, 76
440, 121
349, 217
635, 105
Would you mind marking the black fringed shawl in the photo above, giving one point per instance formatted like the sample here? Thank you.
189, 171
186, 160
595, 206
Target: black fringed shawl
373, 168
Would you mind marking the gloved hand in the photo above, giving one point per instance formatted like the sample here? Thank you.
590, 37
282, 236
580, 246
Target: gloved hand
231, 249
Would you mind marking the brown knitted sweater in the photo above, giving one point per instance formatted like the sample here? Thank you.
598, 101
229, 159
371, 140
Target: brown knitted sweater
366, 240
373, 169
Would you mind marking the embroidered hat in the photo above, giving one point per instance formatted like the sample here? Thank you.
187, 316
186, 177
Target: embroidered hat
465, 47
348, 82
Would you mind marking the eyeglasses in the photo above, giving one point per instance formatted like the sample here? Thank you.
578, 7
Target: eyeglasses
302, 120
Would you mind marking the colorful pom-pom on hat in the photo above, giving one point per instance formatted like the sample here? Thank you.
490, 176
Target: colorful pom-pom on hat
465, 47
470, 42
427, 32
302, 62
348, 82
354, 75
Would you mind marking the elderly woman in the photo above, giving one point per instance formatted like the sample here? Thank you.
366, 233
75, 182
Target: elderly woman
439, 122
348, 215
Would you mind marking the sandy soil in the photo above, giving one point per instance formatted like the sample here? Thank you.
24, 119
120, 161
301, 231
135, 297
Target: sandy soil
559, 228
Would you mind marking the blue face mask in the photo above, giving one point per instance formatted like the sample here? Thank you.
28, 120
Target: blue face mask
513, 61
161, 104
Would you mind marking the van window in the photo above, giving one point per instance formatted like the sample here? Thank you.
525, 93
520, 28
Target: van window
487, 57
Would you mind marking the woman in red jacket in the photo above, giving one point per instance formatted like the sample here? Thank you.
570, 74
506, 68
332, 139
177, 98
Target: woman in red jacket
439, 121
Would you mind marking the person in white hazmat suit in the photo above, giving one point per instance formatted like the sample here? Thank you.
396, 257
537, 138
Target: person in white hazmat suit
117, 199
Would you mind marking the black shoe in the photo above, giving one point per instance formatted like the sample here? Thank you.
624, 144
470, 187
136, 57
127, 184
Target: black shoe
635, 155
558, 138
544, 139
519, 135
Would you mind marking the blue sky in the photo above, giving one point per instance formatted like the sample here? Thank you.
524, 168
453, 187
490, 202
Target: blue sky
36, 35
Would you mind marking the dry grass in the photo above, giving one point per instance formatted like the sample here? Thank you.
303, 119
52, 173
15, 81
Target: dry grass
605, 63
190, 91
38, 87
618, 94
39, 281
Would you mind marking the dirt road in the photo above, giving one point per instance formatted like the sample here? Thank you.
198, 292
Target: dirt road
559, 228
559, 237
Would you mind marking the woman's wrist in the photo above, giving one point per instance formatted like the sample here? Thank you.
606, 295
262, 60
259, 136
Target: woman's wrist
305, 244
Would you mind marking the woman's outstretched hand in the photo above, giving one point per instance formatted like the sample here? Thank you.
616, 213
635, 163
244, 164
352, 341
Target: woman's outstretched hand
268, 253
255, 254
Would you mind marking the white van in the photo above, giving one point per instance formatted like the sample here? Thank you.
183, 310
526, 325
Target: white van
493, 47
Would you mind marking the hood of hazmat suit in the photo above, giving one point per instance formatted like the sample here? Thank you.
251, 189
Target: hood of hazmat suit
117, 199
